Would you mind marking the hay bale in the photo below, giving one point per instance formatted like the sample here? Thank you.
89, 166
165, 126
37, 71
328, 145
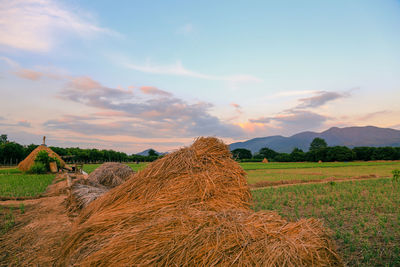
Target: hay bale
100, 181
204, 238
27, 163
111, 174
82, 192
191, 207
265, 160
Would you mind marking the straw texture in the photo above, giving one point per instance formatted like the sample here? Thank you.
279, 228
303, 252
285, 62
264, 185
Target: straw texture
191, 208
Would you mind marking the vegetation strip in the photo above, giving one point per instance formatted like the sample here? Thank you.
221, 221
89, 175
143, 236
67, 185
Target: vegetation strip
265, 184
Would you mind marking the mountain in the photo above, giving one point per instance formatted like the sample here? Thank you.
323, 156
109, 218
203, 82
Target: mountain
146, 152
348, 136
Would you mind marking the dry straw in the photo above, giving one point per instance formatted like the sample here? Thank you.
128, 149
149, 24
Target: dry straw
100, 181
191, 208
27, 163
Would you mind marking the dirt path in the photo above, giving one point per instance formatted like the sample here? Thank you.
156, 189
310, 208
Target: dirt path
260, 186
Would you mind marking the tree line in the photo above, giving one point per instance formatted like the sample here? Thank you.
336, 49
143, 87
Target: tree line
320, 151
12, 153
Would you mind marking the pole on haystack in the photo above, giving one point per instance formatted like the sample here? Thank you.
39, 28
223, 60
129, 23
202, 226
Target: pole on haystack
44, 141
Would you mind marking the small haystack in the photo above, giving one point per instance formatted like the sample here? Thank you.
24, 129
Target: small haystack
191, 207
319, 161
100, 181
265, 160
27, 163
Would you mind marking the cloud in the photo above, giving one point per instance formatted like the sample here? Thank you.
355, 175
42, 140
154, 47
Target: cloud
21, 123
179, 70
152, 117
33, 25
321, 98
9, 61
291, 122
150, 90
373, 114
29, 74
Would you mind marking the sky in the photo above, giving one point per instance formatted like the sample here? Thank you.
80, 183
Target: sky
130, 75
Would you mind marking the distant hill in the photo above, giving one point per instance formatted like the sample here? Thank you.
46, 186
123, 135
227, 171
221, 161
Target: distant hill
348, 136
146, 152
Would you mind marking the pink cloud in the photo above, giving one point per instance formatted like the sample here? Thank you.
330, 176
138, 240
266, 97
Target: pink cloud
110, 113
150, 90
29, 74
84, 83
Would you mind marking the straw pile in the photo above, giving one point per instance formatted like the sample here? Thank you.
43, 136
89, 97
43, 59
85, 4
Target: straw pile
27, 163
191, 208
100, 181
265, 160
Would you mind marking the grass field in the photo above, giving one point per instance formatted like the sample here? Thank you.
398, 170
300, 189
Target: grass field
17, 184
363, 215
259, 172
88, 168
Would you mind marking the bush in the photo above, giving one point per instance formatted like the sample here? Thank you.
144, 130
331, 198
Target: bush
38, 168
396, 175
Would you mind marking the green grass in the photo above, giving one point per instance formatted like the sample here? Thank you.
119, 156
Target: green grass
363, 215
88, 168
301, 165
303, 171
24, 185
9, 171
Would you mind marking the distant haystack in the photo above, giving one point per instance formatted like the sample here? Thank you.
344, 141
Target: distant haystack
265, 160
27, 163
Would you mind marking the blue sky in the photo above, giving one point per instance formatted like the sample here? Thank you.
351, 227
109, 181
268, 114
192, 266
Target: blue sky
129, 75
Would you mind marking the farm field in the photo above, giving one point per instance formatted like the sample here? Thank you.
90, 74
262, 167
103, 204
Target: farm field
14, 183
363, 215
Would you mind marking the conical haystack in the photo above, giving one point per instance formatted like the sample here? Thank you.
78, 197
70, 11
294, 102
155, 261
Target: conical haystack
191, 208
265, 160
27, 163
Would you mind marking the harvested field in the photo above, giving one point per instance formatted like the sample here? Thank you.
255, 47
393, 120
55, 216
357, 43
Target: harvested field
191, 208
39, 226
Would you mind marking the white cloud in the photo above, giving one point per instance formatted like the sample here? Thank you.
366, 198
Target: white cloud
179, 70
31, 24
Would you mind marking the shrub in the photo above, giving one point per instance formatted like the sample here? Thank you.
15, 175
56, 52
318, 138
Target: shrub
396, 175
38, 168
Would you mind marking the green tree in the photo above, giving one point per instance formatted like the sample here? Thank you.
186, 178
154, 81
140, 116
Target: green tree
241, 153
3, 139
318, 144
339, 153
297, 155
152, 153
268, 153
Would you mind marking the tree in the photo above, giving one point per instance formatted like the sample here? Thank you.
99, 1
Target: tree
152, 153
339, 153
297, 155
267, 153
318, 144
241, 153
3, 139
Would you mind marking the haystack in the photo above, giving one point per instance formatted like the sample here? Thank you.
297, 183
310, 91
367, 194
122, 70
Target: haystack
265, 160
100, 181
191, 207
27, 163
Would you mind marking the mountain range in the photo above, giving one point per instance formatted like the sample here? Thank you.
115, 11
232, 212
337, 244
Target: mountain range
348, 136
